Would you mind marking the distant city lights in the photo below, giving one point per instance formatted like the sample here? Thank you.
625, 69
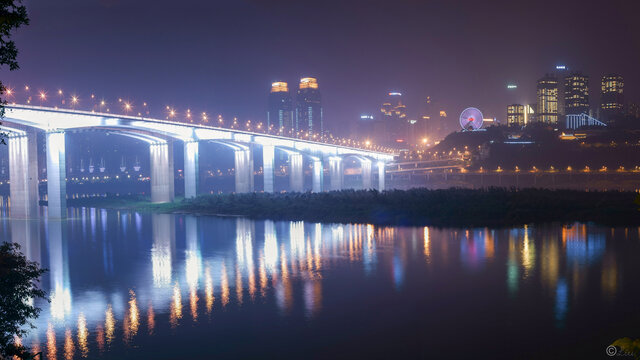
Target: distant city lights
512, 86
561, 67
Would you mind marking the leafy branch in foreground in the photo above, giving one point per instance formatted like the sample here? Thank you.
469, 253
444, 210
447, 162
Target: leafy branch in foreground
18, 290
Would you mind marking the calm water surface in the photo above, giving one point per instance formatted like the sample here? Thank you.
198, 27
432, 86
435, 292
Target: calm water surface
129, 285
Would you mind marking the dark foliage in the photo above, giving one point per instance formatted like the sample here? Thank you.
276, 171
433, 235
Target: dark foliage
18, 285
12, 16
451, 207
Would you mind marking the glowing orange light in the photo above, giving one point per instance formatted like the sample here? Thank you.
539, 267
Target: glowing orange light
43, 95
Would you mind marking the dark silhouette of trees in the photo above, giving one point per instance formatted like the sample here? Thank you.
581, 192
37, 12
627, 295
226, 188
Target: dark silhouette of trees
18, 288
12, 16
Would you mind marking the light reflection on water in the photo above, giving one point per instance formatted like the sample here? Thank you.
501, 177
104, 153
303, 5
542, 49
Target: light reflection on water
122, 281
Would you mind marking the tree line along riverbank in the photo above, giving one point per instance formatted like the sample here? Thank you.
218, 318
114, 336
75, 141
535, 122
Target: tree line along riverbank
419, 207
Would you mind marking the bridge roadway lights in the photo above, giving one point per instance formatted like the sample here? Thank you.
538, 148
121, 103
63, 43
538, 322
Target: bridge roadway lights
268, 156
244, 170
23, 175
296, 178
162, 186
191, 168
56, 175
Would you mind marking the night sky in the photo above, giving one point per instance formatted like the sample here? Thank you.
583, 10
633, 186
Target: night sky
220, 56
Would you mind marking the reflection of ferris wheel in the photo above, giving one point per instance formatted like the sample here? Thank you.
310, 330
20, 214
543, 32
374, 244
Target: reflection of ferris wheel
471, 119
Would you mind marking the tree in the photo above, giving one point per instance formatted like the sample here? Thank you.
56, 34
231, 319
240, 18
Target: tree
18, 288
12, 16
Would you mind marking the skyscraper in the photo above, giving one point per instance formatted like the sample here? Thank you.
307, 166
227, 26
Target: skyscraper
515, 115
309, 107
576, 94
547, 95
612, 98
519, 115
280, 112
394, 113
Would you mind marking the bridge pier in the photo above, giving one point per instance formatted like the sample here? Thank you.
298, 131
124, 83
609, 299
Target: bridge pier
23, 175
56, 175
296, 175
318, 176
268, 156
191, 168
244, 170
336, 173
381, 175
162, 185
365, 165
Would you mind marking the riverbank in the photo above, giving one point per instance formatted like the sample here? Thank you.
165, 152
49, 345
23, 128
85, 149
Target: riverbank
420, 207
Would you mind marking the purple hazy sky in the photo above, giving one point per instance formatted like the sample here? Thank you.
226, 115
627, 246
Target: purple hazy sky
220, 56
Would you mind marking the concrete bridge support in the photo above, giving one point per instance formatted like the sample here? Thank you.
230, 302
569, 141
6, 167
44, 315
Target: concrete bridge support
191, 168
23, 175
296, 175
244, 170
56, 175
336, 173
365, 165
162, 185
268, 156
318, 176
381, 175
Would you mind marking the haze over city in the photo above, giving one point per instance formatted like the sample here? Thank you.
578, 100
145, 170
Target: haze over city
222, 56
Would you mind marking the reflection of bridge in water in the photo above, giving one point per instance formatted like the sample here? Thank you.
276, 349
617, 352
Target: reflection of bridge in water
22, 122
103, 298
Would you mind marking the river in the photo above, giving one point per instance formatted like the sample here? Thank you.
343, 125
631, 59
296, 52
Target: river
130, 285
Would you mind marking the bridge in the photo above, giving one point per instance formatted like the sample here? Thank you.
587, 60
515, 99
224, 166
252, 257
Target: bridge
22, 122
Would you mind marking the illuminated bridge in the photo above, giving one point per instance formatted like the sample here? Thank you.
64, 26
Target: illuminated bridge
21, 122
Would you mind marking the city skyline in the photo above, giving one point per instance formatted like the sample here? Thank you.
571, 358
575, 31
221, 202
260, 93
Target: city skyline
229, 75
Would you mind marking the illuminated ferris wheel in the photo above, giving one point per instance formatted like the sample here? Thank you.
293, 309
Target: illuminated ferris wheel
471, 119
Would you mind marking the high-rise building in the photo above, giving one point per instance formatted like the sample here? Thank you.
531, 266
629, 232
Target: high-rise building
280, 112
309, 107
576, 94
519, 115
515, 115
394, 113
547, 95
612, 98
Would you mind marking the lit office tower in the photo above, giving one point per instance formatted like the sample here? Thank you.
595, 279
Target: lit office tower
519, 115
395, 118
280, 113
309, 107
612, 98
576, 94
515, 115
547, 95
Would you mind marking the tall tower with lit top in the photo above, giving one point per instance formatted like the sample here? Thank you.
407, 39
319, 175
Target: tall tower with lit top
309, 107
280, 112
612, 98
